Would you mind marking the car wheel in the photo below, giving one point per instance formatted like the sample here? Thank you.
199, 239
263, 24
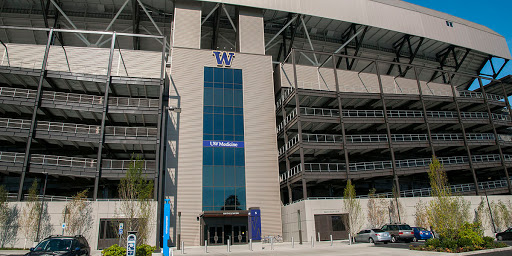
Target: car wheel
393, 239
500, 238
408, 240
385, 242
415, 239
371, 240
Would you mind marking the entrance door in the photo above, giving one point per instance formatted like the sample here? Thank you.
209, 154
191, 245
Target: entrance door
215, 235
239, 234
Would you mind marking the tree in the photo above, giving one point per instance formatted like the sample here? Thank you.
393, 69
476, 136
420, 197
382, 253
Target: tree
353, 207
8, 220
77, 215
376, 210
396, 210
30, 214
136, 193
445, 213
421, 218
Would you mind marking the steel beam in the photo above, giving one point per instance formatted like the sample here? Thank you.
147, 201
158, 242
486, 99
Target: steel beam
37, 104
280, 31
343, 45
78, 34
136, 24
113, 20
496, 136
388, 129
422, 99
342, 123
101, 143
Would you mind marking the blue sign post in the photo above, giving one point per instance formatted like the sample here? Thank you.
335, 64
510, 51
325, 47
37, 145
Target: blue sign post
255, 224
131, 245
166, 228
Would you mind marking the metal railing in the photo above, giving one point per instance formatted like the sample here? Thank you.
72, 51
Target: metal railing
131, 131
133, 102
12, 157
479, 95
383, 165
17, 93
284, 95
324, 112
15, 123
72, 98
67, 128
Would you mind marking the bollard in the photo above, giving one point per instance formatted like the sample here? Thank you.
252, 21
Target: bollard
349, 240
171, 251
331, 239
229, 244
182, 247
250, 244
293, 243
205, 246
312, 242
271, 243
318, 236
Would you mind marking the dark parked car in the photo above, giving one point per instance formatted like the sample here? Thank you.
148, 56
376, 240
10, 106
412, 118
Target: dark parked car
421, 234
505, 235
61, 246
399, 232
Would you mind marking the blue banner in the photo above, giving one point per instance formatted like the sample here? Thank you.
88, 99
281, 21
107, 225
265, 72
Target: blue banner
255, 224
223, 144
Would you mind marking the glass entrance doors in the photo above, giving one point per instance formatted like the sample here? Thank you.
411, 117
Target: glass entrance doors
217, 235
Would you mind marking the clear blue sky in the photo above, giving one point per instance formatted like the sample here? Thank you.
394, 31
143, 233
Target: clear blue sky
494, 14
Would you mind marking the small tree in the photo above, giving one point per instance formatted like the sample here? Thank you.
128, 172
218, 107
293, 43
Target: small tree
136, 193
421, 218
353, 207
8, 220
396, 210
376, 210
30, 214
77, 214
445, 213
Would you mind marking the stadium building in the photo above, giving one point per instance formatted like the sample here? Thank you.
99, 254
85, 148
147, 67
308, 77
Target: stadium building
244, 110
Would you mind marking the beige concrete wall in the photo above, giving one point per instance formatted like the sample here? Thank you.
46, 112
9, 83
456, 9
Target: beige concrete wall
261, 166
52, 221
309, 77
85, 60
187, 24
309, 208
250, 28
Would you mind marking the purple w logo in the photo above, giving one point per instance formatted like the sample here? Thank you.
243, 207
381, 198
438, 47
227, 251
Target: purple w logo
223, 58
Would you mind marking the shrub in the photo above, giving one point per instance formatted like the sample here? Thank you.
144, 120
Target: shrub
434, 242
449, 243
116, 250
471, 232
145, 250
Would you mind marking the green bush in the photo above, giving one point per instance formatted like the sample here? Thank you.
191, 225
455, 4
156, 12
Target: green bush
434, 242
145, 250
488, 242
116, 250
449, 243
471, 232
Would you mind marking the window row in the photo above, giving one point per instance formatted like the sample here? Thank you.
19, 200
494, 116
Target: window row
223, 176
223, 156
223, 124
224, 110
223, 97
223, 75
222, 197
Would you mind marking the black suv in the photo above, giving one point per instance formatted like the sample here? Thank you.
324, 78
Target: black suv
62, 246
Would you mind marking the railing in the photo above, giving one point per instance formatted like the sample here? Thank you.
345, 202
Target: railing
284, 95
72, 98
324, 112
65, 161
383, 165
479, 95
51, 198
133, 102
68, 128
15, 123
292, 172
17, 93
131, 131
322, 138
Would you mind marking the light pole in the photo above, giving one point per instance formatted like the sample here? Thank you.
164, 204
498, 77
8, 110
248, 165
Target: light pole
41, 208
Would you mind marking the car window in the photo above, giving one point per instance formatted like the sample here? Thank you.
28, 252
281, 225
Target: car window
59, 245
405, 227
41, 246
394, 227
376, 230
361, 232
367, 231
422, 229
385, 227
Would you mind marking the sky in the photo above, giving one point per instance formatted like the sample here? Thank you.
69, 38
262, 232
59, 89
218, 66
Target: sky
494, 14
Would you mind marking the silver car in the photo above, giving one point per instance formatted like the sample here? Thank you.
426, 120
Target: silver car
373, 236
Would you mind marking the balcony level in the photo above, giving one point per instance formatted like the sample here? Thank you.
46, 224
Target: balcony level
361, 170
71, 166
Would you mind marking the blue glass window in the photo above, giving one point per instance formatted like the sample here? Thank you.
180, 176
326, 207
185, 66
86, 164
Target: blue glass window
223, 120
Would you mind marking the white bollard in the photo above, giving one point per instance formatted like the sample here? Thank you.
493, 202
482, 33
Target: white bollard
205, 246
229, 244
349, 240
293, 243
331, 239
182, 247
312, 242
250, 244
318, 236
171, 251
271, 243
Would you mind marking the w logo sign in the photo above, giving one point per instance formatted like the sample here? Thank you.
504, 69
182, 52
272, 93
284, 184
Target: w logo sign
224, 58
